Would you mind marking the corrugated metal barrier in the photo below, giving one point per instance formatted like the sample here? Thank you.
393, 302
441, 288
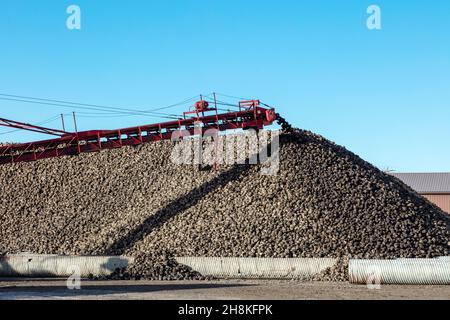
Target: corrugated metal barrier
257, 268
401, 271
31, 265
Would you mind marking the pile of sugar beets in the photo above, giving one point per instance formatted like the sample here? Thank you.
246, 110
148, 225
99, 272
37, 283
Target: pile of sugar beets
324, 202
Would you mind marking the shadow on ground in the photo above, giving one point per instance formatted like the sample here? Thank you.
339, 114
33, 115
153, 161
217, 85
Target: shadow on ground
131, 288
16, 290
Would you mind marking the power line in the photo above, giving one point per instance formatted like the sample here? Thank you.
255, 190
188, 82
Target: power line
114, 114
89, 105
109, 111
232, 97
105, 111
86, 108
219, 102
95, 107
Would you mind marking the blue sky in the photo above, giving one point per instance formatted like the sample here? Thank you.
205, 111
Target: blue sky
382, 94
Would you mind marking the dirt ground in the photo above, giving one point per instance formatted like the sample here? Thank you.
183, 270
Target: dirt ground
217, 290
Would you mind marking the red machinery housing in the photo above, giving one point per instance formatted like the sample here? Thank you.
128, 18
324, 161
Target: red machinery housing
250, 115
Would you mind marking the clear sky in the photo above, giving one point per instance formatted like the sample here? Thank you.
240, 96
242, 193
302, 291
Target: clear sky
383, 94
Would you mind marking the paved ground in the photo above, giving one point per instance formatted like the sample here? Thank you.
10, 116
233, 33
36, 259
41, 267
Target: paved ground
222, 290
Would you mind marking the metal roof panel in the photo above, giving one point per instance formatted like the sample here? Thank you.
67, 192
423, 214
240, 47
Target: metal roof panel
426, 182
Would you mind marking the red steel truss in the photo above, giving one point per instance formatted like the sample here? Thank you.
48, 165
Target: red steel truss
250, 115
